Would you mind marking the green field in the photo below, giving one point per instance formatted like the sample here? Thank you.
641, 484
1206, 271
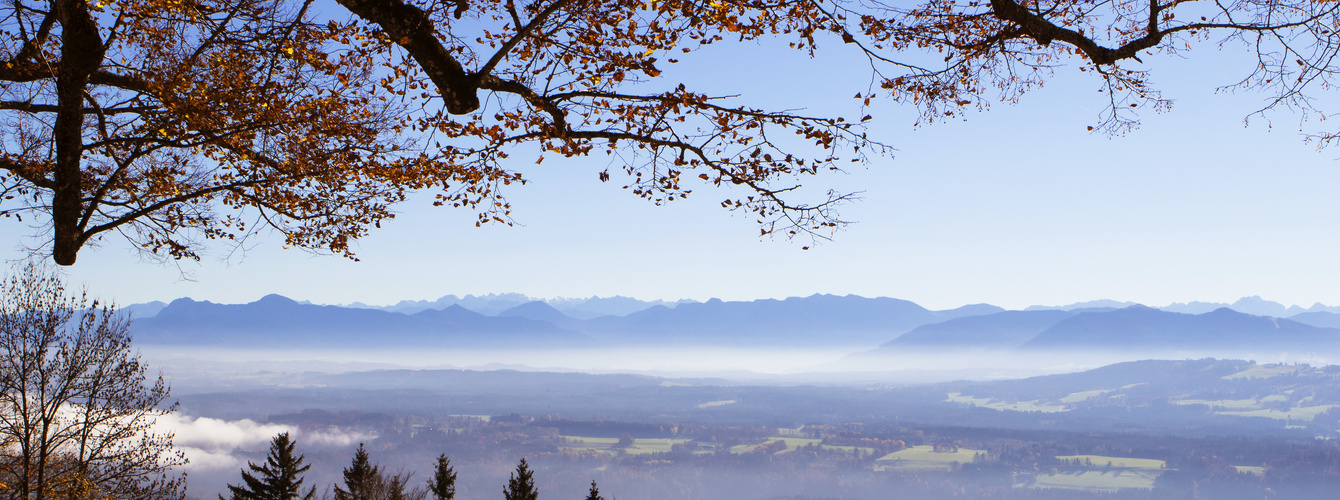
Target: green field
1096, 480
710, 404
1300, 413
1254, 407
793, 443
1253, 470
1264, 371
481, 417
1038, 406
1084, 395
957, 397
790, 444
607, 444
924, 457
641, 446
1125, 472
1233, 404
1118, 462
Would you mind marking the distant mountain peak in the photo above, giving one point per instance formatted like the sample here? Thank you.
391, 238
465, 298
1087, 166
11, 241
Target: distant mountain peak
275, 298
1090, 304
1145, 328
537, 310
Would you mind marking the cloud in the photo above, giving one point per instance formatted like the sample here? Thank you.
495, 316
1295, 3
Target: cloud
336, 438
215, 435
198, 459
211, 443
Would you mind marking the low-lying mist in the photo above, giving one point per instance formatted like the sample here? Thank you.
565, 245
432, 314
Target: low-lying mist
192, 369
704, 418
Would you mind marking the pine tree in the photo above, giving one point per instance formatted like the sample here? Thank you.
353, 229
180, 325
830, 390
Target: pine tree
443, 484
361, 478
594, 494
521, 486
280, 477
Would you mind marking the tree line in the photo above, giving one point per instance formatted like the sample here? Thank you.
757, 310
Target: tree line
280, 478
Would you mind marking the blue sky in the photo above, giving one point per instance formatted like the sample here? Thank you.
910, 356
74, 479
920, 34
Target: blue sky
1016, 206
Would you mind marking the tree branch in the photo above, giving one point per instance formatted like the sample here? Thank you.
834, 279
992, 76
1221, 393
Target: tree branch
410, 27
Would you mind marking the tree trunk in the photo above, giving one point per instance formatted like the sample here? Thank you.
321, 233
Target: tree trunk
81, 54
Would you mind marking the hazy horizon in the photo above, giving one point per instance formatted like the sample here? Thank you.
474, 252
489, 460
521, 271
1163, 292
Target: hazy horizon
1252, 301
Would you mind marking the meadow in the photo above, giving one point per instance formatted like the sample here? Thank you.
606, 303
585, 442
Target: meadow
925, 457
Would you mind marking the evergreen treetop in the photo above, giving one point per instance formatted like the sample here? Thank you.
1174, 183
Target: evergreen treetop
279, 479
361, 478
443, 483
521, 486
594, 494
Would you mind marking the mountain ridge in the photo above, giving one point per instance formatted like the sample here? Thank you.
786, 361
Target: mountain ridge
818, 320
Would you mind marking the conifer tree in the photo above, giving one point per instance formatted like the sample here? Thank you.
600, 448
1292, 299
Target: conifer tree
521, 486
443, 483
279, 479
361, 478
594, 494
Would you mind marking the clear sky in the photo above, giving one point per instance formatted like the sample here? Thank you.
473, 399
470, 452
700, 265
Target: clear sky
1017, 206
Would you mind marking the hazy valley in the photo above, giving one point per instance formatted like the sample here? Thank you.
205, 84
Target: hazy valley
814, 397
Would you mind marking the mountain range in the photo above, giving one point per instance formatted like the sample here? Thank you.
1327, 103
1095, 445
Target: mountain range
277, 321
592, 307
495, 303
818, 320
828, 321
1132, 327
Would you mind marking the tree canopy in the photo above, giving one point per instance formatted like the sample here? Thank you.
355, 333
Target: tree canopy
77, 406
442, 484
521, 485
360, 477
279, 478
594, 492
177, 122
998, 50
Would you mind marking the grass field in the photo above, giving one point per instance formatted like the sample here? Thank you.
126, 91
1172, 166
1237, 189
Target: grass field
1095, 480
710, 404
1299, 413
924, 457
481, 417
955, 397
793, 443
1126, 472
1264, 371
1083, 395
1257, 471
1232, 404
1255, 407
1119, 462
641, 446
607, 444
